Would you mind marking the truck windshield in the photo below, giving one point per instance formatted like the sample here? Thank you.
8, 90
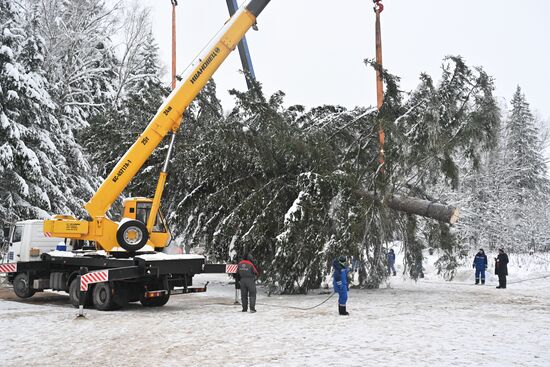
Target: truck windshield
17, 234
142, 214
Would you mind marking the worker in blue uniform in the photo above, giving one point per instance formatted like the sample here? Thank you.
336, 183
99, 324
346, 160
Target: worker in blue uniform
340, 283
480, 264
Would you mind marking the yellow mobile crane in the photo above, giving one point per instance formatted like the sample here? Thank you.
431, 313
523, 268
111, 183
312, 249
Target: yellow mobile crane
142, 223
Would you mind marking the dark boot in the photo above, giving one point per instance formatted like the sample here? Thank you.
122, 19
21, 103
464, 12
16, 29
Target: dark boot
501, 281
394, 273
477, 281
482, 281
342, 310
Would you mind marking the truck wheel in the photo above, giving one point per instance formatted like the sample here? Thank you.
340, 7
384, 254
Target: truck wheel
156, 301
22, 286
74, 293
103, 297
132, 235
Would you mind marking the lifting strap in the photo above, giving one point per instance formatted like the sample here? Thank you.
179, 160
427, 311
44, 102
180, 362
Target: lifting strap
174, 4
378, 8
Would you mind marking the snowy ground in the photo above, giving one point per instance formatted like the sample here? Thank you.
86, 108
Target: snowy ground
429, 323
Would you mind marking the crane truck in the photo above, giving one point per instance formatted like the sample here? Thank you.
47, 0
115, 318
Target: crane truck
126, 263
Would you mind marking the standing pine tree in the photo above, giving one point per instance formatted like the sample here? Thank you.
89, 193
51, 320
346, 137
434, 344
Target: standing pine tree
527, 182
523, 145
36, 153
506, 200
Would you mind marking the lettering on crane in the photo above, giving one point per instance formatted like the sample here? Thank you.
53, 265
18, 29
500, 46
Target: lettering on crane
122, 170
205, 64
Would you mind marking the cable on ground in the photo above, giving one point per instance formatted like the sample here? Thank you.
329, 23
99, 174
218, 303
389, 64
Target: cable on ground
298, 308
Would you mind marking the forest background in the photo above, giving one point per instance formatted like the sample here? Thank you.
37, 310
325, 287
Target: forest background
283, 182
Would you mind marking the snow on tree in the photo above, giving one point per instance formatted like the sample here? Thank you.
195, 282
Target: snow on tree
112, 133
506, 200
80, 59
432, 134
59, 74
37, 155
285, 183
523, 146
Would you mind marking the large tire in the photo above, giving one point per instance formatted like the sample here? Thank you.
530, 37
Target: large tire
74, 290
22, 286
132, 235
103, 297
74, 293
156, 301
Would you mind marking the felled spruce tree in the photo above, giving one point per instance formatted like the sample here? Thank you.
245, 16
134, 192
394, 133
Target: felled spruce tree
286, 184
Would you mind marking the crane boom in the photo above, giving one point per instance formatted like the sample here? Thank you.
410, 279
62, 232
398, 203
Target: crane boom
140, 225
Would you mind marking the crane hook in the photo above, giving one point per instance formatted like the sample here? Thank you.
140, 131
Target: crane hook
378, 6
174, 2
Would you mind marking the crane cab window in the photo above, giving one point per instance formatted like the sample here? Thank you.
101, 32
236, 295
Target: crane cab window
142, 214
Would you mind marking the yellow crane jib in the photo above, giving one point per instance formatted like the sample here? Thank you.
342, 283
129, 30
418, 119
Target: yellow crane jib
142, 223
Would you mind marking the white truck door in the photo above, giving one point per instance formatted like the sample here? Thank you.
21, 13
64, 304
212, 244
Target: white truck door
14, 251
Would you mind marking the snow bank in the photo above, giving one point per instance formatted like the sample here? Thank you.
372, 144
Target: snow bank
429, 323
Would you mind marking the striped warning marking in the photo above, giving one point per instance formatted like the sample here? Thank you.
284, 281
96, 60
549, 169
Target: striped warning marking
47, 234
93, 277
231, 268
8, 268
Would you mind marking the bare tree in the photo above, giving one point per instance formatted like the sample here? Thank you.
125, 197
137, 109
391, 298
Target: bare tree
135, 27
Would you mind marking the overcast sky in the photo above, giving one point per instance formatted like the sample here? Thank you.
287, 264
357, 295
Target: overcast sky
313, 50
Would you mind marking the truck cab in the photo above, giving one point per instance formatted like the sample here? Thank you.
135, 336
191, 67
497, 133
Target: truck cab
27, 241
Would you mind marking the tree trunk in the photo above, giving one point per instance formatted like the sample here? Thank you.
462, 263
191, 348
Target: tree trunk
424, 208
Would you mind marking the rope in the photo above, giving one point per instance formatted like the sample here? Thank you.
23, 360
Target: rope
298, 308
526, 280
